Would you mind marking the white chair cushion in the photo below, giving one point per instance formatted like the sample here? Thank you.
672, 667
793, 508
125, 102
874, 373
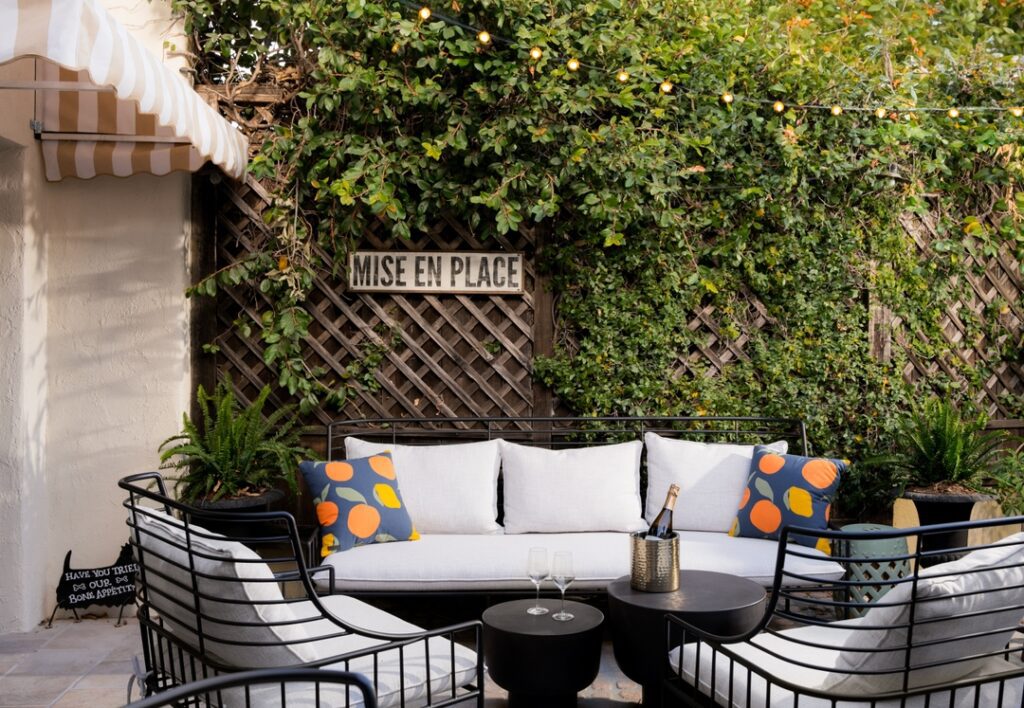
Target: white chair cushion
446, 488
393, 673
251, 601
787, 669
473, 562
951, 603
578, 489
711, 479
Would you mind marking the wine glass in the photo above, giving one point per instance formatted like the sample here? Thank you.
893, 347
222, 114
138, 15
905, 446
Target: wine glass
537, 569
563, 575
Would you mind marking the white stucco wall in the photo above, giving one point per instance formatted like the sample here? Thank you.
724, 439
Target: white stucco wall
94, 361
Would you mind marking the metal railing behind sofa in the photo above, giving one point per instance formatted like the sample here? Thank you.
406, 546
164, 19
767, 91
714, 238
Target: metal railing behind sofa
210, 603
920, 635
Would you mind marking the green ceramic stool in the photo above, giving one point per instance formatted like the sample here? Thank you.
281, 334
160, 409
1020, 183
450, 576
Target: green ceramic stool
875, 575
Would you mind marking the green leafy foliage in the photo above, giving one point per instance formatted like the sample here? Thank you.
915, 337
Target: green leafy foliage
937, 445
234, 450
676, 226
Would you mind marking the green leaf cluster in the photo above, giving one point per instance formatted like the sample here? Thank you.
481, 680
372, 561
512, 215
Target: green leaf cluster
705, 257
233, 450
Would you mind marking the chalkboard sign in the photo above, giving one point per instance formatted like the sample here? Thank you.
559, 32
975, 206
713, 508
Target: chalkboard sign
111, 586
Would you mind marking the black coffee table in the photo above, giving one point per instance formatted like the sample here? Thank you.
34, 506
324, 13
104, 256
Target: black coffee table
539, 661
716, 602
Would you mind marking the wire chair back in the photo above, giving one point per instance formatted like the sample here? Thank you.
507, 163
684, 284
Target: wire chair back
224, 592
895, 627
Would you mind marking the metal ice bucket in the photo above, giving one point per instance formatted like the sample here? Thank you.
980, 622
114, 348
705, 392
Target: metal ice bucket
655, 566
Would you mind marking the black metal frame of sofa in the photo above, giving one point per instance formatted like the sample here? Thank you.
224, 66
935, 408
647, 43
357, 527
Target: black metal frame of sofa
723, 659
211, 691
177, 632
568, 431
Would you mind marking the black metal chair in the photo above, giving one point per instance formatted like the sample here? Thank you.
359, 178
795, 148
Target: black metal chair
210, 604
305, 688
925, 636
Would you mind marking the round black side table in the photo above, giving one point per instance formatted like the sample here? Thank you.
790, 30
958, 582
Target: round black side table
716, 602
539, 661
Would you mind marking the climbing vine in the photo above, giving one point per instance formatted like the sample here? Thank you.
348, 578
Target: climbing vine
657, 205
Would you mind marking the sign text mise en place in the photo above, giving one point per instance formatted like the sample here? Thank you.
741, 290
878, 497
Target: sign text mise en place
452, 272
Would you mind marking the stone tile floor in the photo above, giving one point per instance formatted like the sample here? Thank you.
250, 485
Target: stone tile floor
88, 664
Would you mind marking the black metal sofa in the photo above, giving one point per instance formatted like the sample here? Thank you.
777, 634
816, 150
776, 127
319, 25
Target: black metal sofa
915, 634
452, 562
210, 603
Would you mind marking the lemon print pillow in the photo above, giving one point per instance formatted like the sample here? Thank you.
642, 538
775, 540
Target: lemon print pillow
788, 490
357, 502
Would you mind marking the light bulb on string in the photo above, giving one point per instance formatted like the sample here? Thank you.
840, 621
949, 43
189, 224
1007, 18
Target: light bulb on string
484, 37
424, 13
536, 53
1017, 111
953, 113
836, 110
573, 64
778, 106
622, 76
880, 112
727, 98
666, 86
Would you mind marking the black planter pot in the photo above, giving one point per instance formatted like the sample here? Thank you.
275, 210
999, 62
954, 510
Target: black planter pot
266, 501
937, 508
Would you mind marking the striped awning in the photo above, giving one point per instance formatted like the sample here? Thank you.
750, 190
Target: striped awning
104, 104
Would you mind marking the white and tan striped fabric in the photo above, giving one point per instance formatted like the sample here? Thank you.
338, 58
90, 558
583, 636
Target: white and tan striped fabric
78, 41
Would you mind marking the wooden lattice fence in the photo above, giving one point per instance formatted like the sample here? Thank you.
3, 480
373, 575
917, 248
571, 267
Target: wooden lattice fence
471, 355
445, 355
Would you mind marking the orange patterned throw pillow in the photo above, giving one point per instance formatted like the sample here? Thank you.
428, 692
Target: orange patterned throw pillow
358, 502
787, 490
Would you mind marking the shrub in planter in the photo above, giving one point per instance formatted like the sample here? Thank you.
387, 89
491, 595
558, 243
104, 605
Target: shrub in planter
234, 452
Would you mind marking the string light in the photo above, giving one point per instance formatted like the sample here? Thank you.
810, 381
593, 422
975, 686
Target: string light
573, 64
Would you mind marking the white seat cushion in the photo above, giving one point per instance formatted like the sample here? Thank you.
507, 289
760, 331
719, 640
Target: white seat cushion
711, 479
576, 489
978, 596
446, 488
392, 675
830, 637
473, 562
237, 588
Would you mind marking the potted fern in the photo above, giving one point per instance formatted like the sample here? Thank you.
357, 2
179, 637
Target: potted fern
234, 457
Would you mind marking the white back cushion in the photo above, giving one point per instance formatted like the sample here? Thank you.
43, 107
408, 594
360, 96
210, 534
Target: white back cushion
579, 489
446, 488
244, 588
711, 479
947, 610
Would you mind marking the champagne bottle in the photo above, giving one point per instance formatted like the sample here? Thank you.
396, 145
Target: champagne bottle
661, 527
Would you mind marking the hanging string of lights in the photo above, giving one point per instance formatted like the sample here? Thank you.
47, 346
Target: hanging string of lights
666, 86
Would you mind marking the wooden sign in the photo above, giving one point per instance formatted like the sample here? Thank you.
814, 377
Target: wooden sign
111, 586
461, 273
